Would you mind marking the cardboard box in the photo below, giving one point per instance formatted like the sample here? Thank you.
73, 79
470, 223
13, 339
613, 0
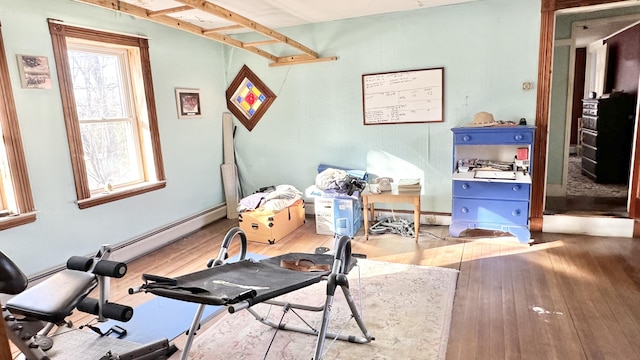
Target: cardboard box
271, 227
342, 216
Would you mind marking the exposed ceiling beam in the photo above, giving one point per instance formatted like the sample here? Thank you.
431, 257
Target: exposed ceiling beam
223, 28
260, 43
162, 17
169, 11
299, 59
249, 24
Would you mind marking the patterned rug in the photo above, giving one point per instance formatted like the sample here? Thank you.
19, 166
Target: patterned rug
580, 185
406, 308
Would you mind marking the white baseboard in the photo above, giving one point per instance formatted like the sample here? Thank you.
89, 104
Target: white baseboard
146, 243
588, 225
425, 218
309, 208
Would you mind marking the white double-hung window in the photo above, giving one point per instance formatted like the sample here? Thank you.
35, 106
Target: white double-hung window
107, 94
106, 113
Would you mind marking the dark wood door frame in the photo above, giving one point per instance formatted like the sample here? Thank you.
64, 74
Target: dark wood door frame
538, 190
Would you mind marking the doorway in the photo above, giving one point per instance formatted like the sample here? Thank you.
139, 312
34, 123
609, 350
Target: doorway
578, 193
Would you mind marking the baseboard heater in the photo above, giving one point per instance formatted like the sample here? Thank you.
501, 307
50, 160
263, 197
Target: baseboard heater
144, 244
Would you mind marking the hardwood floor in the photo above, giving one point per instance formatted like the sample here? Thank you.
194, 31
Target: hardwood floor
565, 297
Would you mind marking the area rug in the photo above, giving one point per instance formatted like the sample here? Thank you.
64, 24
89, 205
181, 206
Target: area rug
406, 308
580, 185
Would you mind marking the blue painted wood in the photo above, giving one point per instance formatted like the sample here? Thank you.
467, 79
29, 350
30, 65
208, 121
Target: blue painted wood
489, 204
491, 211
483, 190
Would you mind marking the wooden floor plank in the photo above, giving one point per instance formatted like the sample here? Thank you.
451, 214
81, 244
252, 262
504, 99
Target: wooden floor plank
565, 297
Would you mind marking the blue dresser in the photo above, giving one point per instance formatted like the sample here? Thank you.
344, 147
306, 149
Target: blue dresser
492, 200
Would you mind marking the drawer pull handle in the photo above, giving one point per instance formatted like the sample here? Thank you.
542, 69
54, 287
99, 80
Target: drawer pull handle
465, 186
464, 210
466, 138
518, 137
516, 188
516, 212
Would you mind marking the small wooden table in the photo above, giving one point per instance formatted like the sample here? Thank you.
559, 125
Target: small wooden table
393, 196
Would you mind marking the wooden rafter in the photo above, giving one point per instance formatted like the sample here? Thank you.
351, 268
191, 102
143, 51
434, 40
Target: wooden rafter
231, 16
162, 17
223, 28
169, 11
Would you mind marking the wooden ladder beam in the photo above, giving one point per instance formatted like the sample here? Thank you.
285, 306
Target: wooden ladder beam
169, 11
299, 59
248, 23
143, 13
161, 17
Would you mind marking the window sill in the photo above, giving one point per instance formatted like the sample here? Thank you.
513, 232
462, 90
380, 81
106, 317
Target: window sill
17, 220
120, 194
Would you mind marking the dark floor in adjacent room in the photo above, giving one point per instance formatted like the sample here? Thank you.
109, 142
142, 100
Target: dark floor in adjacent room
586, 197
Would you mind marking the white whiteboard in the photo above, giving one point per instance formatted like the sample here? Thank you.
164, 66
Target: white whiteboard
403, 97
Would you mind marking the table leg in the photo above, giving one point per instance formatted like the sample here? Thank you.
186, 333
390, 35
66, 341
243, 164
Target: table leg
416, 217
372, 211
365, 216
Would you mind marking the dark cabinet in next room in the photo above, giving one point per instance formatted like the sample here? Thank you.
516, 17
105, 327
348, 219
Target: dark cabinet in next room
607, 135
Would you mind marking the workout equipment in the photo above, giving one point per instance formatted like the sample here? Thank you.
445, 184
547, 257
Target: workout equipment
240, 285
32, 314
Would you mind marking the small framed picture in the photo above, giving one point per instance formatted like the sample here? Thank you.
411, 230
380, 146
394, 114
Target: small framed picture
188, 103
34, 71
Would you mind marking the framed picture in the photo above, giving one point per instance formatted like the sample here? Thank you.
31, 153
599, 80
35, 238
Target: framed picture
34, 71
188, 103
248, 98
402, 97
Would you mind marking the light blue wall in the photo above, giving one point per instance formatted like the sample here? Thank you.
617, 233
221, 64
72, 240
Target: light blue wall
487, 48
192, 149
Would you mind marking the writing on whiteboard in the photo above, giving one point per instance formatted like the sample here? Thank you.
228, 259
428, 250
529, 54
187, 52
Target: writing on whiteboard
403, 97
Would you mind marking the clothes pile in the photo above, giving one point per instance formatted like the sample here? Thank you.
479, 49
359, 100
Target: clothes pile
270, 199
339, 181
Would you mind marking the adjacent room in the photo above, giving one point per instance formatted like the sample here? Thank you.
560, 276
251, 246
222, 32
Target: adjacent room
437, 179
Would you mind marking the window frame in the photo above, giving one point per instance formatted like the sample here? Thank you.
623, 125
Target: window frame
85, 199
131, 115
14, 149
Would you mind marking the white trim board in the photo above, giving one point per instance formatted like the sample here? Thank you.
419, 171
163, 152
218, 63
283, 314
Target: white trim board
146, 243
588, 225
139, 246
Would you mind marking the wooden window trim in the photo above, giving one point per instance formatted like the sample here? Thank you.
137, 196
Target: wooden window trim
17, 220
59, 32
14, 148
121, 194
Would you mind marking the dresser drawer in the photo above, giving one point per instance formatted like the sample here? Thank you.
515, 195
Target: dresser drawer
590, 122
494, 137
589, 152
491, 211
589, 165
491, 190
590, 138
592, 112
589, 105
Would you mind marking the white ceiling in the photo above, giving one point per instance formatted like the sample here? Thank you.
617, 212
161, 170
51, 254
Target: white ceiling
282, 13
588, 31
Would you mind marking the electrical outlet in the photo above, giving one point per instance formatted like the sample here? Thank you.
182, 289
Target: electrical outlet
527, 85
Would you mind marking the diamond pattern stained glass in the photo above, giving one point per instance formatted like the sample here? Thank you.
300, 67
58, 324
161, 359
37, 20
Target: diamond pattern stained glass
248, 98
